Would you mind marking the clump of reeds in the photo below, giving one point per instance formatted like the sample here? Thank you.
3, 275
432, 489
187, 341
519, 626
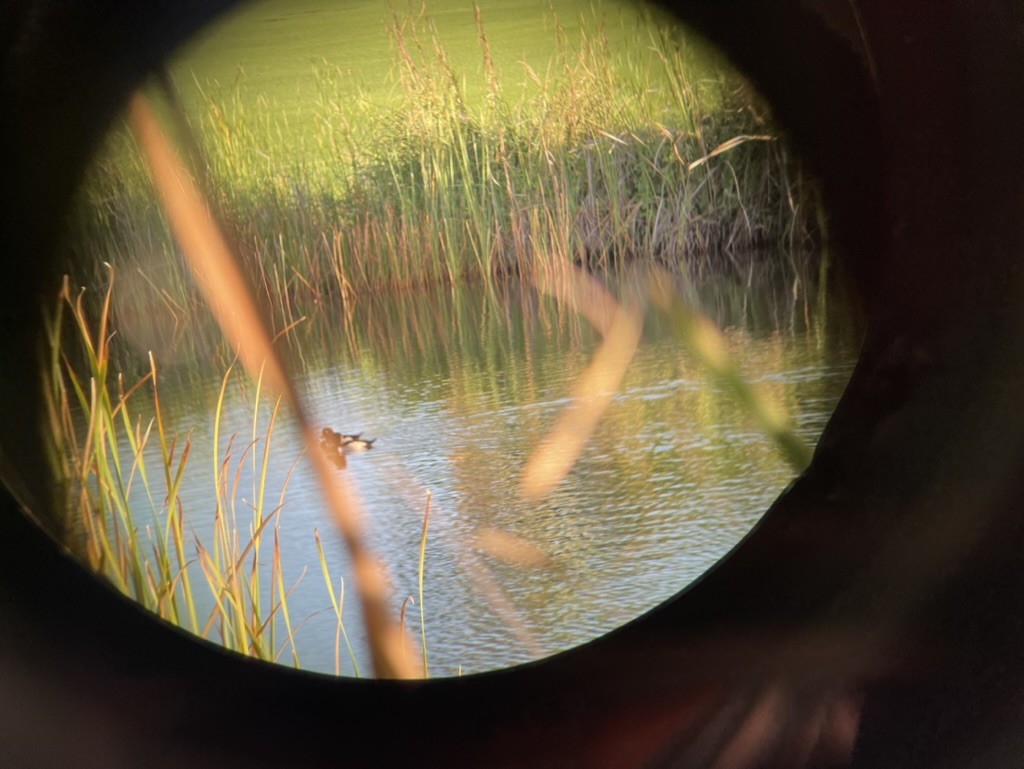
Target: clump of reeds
604, 159
114, 456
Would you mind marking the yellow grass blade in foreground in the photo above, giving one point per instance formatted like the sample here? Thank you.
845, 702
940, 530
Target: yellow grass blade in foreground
223, 286
557, 453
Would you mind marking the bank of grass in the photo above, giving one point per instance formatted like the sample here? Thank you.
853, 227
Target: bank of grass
602, 159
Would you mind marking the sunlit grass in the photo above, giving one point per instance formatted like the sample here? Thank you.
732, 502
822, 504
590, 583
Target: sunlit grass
107, 438
604, 158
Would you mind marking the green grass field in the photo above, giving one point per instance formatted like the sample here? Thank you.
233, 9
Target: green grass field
468, 144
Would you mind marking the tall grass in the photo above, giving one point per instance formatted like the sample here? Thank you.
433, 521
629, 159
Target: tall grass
604, 158
107, 438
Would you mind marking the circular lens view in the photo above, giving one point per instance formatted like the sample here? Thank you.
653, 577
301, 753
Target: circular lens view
551, 293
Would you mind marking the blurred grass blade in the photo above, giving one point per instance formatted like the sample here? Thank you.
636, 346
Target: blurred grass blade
203, 246
509, 548
594, 390
582, 292
489, 589
223, 286
704, 341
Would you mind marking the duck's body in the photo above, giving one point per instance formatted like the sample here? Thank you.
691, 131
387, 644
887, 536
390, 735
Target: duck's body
338, 443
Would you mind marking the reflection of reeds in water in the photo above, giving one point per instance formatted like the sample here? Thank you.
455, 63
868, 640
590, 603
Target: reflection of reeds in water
483, 347
598, 382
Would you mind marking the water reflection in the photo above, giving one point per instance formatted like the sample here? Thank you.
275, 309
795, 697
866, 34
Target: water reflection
457, 387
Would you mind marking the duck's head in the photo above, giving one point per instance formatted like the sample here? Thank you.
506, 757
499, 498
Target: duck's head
327, 435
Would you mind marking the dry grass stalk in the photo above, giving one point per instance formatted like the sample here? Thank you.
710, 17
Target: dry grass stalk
725, 146
221, 281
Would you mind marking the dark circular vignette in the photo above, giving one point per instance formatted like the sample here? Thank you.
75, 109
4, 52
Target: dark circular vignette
882, 593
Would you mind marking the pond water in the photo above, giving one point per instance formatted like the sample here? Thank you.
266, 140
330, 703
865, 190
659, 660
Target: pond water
457, 387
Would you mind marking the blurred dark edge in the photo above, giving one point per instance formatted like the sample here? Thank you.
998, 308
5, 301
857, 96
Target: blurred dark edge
892, 569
